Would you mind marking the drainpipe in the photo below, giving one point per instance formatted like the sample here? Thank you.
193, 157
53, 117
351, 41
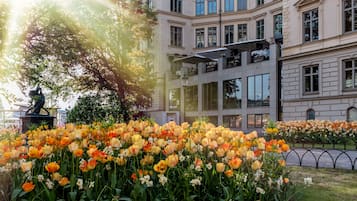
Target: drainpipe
220, 23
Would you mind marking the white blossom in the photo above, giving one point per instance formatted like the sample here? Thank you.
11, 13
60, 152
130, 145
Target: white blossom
49, 184
80, 184
162, 179
260, 190
40, 178
196, 182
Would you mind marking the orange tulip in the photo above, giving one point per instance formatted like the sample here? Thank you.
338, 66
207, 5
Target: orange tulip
220, 167
64, 181
78, 152
28, 186
52, 167
229, 173
235, 163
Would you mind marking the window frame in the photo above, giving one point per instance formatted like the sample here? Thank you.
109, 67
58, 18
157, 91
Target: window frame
176, 6
348, 113
311, 25
308, 114
235, 120
237, 93
239, 2
193, 95
255, 102
353, 8
263, 118
260, 2
275, 24
354, 75
176, 36
311, 74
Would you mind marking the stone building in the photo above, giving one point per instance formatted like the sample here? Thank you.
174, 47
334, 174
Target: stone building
319, 74
218, 59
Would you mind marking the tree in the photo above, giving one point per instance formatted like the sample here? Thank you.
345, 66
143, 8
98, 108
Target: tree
81, 46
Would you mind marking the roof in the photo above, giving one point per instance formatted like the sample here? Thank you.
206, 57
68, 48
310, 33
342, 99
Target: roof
247, 45
194, 59
212, 50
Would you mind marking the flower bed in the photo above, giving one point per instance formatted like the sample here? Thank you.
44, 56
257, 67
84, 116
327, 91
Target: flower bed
314, 132
144, 161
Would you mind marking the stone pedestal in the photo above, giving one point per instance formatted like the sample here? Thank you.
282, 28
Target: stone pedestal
30, 121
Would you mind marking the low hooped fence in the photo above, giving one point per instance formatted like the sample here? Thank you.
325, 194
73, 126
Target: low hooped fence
316, 157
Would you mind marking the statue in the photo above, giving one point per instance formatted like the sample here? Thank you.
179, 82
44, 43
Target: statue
39, 100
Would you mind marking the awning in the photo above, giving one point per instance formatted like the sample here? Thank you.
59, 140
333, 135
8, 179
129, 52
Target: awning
194, 59
248, 45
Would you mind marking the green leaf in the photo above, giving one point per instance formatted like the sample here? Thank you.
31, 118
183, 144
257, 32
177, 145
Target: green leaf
15, 193
73, 195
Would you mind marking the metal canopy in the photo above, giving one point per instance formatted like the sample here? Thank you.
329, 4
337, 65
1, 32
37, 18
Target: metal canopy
194, 59
248, 45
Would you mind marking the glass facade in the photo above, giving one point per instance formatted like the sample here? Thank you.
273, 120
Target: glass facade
311, 25
174, 99
232, 94
278, 24
257, 120
232, 121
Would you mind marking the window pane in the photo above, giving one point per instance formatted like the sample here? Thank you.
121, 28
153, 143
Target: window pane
210, 96
348, 20
307, 70
232, 94
315, 30
228, 5
307, 84
228, 30
315, 80
191, 98
242, 32
174, 99
212, 6
242, 4
355, 79
307, 36
200, 38
258, 90
310, 114
347, 3
200, 7
278, 24
232, 121
348, 79
251, 120
212, 36
352, 114
266, 118
251, 95
258, 120
315, 69
266, 90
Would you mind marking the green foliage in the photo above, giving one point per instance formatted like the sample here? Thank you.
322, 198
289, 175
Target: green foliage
97, 108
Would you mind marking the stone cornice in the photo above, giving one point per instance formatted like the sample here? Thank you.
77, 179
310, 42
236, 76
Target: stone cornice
320, 98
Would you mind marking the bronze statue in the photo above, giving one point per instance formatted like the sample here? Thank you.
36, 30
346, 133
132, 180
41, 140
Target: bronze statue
38, 99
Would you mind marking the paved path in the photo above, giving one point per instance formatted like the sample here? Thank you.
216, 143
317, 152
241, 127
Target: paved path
343, 159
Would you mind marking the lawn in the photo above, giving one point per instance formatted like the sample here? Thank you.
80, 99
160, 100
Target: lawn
327, 184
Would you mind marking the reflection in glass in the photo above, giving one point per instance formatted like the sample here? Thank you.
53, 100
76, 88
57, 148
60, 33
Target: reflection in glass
191, 98
174, 99
210, 96
258, 90
232, 121
232, 94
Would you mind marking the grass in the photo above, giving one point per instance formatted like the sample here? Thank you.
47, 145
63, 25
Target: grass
328, 184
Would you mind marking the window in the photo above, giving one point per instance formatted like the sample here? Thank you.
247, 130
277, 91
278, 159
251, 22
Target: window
174, 99
228, 34
258, 90
176, 6
200, 7
191, 98
174, 69
260, 2
212, 36
228, 5
149, 4
257, 120
260, 29
212, 119
350, 74
242, 32
352, 114
210, 96
311, 25
242, 4
278, 25
311, 79
200, 38
212, 6
232, 94
310, 114
232, 121
350, 15
176, 36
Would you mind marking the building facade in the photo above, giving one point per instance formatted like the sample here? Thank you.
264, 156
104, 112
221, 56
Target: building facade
218, 59
319, 74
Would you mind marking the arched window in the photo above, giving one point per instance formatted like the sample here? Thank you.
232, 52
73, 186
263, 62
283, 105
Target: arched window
310, 114
352, 114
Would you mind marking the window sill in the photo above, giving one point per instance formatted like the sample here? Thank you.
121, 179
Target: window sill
178, 47
310, 93
349, 90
